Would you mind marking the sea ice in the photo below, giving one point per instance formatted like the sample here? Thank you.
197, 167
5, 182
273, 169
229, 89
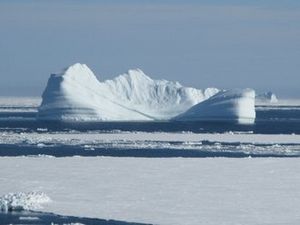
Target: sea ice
167, 191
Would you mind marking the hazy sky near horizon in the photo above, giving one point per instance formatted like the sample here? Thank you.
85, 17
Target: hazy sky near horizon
223, 44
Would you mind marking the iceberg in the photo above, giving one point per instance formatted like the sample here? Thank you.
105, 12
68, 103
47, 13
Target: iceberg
267, 97
75, 94
231, 105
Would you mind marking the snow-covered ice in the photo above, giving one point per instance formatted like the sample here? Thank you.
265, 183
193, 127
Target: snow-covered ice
76, 94
162, 191
232, 105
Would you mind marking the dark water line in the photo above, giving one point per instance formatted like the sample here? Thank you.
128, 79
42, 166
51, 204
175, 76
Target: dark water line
260, 127
42, 218
69, 151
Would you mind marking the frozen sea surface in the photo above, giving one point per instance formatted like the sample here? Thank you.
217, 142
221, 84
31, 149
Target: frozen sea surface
163, 190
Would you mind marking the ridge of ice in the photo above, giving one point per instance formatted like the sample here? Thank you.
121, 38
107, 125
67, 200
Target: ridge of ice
23, 201
231, 105
76, 94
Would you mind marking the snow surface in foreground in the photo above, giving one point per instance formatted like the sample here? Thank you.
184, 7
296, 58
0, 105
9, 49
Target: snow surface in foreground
162, 191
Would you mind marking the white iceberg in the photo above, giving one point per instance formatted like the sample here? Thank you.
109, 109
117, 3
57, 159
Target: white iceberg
267, 97
76, 94
232, 105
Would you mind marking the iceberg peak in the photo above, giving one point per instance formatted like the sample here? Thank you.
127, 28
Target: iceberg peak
136, 75
76, 71
76, 67
136, 72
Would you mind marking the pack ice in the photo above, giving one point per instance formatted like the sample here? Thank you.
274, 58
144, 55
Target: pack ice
75, 94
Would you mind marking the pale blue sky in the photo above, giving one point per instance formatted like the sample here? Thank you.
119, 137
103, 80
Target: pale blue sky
224, 44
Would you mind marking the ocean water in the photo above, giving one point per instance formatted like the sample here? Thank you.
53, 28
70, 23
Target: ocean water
19, 121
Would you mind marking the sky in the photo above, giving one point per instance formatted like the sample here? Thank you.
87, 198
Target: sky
223, 44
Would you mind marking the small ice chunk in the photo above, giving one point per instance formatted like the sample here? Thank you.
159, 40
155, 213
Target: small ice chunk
23, 201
